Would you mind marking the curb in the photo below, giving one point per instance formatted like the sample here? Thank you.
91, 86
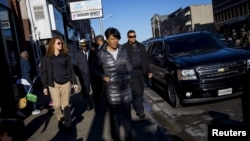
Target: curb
169, 123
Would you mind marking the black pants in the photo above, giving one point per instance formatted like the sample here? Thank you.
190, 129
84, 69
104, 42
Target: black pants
86, 89
99, 98
137, 87
118, 113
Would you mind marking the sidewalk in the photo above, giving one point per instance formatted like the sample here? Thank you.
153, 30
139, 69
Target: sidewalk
86, 125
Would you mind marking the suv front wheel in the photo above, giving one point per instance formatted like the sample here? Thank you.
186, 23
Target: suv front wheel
173, 98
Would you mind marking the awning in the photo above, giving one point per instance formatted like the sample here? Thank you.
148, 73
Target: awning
235, 20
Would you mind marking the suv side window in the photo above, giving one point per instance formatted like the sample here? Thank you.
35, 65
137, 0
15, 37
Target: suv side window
156, 52
178, 46
149, 48
158, 49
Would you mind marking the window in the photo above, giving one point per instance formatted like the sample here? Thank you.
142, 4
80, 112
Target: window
158, 49
191, 45
178, 46
38, 12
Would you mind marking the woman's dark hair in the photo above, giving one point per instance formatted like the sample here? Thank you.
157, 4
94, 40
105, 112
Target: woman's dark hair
112, 31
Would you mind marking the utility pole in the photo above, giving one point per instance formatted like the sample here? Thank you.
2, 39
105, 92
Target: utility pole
101, 23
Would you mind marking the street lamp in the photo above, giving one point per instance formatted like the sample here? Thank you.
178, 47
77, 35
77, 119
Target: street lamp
101, 24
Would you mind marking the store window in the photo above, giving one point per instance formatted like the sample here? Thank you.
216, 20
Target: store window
10, 43
9, 62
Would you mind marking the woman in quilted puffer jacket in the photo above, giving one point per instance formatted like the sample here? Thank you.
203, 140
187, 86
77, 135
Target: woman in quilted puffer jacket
116, 72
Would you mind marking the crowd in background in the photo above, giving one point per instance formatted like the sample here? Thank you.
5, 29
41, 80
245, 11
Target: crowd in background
237, 38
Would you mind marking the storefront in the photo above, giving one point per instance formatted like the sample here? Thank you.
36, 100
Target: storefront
9, 53
236, 24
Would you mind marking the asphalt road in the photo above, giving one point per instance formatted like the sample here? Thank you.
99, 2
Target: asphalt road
191, 123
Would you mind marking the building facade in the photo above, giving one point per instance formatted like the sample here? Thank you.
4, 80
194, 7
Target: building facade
191, 18
28, 25
231, 15
48, 18
156, 21
11, 42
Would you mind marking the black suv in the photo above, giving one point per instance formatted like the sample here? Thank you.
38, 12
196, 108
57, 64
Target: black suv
196, 67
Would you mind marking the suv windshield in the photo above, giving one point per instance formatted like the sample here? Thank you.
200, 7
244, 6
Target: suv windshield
192, 44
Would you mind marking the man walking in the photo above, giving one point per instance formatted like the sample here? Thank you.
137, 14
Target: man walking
99, 39
83, 61
97, 83
140, 63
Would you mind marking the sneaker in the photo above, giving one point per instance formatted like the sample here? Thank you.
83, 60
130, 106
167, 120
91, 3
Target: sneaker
35, 112
141, 116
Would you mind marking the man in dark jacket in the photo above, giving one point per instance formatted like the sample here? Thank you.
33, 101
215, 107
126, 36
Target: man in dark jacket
138, 56
99, 40
83, 61
26, 69
97, 83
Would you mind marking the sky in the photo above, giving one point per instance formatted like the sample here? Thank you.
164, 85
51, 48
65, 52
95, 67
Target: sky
137, 14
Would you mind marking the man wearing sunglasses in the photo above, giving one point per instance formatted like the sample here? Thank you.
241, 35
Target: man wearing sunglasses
137, 54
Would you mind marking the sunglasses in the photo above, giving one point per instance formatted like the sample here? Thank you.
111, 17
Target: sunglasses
132, 36
59, 43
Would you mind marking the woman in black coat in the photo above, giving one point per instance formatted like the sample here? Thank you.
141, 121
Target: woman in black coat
116, 72
57, 77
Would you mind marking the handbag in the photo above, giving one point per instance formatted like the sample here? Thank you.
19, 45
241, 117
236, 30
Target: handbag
22, 102
30, 96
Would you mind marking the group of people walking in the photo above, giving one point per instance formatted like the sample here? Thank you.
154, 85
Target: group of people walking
112, 71
240, 38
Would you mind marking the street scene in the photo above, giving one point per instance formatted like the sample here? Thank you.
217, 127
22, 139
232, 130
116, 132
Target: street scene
92, 70
162, 121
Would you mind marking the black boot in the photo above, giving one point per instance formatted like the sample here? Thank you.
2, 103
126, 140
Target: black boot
67, 117
60, 123
90, 103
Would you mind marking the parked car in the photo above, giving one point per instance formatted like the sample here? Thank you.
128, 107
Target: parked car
196, 67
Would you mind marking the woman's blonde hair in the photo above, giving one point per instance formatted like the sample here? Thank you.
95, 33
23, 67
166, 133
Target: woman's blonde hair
51, 50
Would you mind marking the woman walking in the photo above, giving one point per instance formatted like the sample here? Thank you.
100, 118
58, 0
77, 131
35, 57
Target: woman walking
116, 70
58, 76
